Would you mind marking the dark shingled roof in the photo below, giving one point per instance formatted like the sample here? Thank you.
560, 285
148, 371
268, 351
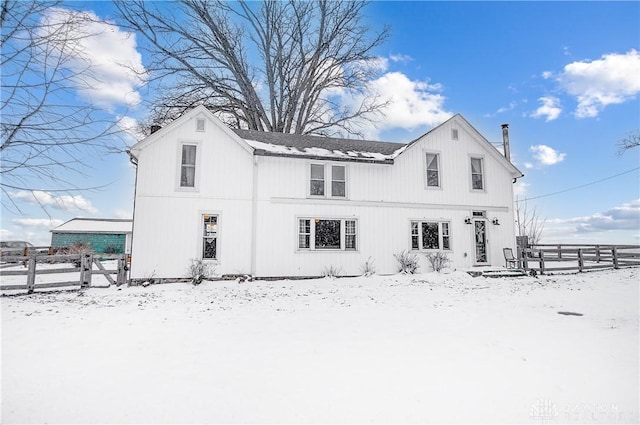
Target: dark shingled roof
352, 149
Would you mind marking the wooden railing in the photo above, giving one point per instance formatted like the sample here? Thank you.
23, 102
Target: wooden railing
549, 258
83, 263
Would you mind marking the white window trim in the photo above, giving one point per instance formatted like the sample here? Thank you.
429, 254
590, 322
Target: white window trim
196, 178
201, 215
484, 173
328, 179
425, 174
440, 235
312, 238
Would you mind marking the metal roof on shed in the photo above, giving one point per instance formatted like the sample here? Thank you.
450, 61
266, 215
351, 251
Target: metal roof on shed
95, 225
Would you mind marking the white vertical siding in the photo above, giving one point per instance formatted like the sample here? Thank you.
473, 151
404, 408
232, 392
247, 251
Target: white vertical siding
383, 198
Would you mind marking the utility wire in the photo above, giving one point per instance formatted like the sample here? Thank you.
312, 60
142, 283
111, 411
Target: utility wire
578, 187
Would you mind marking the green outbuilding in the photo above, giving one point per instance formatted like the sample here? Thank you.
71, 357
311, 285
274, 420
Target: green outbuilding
104, 235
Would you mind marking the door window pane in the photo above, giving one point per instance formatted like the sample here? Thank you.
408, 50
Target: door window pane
210, 237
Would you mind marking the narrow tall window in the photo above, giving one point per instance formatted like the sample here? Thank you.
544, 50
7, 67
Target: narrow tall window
445, 235
317, 180
210, 237
350, 234
415, 235
477, 178
188, 166
433, 174
304, 234
338, 180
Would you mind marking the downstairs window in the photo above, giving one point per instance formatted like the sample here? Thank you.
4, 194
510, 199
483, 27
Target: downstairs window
327, 234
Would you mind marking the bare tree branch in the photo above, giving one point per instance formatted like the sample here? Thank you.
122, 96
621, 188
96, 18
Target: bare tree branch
632, 140
528, 222
46, 128
275, 65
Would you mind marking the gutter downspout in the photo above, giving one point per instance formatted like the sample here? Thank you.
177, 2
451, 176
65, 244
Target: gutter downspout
254, 216
134, 161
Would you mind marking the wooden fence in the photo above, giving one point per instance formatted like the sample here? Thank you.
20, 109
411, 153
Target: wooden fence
83, 263
549, 258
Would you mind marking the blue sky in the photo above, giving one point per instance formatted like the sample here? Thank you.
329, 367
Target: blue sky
565, 76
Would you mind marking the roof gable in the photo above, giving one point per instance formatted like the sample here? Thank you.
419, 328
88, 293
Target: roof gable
478, 137
195, 112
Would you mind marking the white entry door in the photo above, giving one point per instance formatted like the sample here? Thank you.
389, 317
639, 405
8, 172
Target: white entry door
480, 237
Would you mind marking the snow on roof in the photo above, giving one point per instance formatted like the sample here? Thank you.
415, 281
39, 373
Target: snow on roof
283, 144
95, 225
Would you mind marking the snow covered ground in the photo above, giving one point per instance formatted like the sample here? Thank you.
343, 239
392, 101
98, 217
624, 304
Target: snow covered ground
423, 348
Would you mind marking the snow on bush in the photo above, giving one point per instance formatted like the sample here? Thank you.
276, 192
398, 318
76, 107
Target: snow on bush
438, 260
198, 271
407, 262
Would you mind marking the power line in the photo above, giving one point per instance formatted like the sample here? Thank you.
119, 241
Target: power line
578, 187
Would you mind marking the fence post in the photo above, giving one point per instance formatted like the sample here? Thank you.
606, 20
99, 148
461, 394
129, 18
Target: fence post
597, 253
559, 251
614, 254
86, 261
122, 270
580, 260
525, 255
31, 273
541, 262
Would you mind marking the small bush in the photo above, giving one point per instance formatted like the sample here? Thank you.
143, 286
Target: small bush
331, 272
368, 268
407, 262
79, 248
198, 271
112, 249
438, 260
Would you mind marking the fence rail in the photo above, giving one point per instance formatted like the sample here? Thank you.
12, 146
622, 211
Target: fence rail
549, 258
84, 266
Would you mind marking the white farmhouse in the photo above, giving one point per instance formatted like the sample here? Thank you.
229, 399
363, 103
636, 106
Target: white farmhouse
274, 205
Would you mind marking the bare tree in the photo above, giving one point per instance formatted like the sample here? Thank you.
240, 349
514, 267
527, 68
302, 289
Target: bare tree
528, 222
632, 140
277, 66
46, 129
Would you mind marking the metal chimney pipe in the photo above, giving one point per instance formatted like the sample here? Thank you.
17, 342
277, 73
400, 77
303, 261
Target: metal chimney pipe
505, 141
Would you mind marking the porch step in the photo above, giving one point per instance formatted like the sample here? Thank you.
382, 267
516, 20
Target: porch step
496, 272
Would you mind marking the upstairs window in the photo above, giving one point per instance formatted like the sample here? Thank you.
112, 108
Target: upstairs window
433, 170
317, 180
430, 235
326, 180
477, 174
200, 124
188, 166
338, 181
327, 234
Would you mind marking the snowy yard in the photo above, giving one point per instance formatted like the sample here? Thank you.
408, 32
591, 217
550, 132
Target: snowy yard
423, 348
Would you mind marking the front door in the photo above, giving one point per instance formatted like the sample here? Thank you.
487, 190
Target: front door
480, 227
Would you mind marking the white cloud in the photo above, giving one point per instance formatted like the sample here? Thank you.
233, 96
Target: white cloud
410, 103
547, 74
107, 66
62, 202
529, 165
123, 214
596, 84
400, 58
520, 189
546, 155
550, 108
623, 217
46, 223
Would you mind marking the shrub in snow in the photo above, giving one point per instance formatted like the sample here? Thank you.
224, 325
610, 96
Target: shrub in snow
368, 268
407, 262
198, 271
438, 260
78, 248
331, 272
